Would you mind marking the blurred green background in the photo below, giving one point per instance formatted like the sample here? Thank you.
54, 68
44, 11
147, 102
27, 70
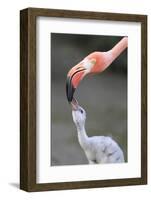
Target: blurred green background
103, 96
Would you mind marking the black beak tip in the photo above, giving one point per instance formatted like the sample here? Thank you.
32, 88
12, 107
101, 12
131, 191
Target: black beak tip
69, 89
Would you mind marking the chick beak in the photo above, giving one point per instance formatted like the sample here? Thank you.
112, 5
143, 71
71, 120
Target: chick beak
74, 104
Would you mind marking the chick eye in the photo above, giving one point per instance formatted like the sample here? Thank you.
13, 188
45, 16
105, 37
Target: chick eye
81, 111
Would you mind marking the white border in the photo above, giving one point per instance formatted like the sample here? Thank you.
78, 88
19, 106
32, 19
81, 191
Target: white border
46, 173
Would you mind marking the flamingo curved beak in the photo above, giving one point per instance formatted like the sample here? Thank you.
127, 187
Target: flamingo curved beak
75, 75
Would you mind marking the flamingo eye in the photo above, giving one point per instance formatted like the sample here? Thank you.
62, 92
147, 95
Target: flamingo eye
81, 110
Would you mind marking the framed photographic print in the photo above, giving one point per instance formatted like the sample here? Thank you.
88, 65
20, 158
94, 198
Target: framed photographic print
77, 130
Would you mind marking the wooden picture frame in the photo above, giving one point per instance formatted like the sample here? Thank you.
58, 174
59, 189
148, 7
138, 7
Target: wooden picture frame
28, 98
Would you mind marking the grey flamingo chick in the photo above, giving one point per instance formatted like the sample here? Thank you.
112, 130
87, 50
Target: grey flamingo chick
98, 149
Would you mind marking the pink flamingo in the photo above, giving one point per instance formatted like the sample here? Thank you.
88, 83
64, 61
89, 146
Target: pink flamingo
94, 63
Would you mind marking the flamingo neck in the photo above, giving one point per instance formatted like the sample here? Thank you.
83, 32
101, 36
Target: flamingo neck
82, 136
119, 48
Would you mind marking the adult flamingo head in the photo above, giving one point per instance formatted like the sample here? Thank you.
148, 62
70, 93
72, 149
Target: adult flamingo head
94, 63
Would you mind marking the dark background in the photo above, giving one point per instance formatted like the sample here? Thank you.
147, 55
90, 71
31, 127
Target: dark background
103, 96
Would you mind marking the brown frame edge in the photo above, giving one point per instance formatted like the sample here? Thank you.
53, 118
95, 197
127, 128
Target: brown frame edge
28, 99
